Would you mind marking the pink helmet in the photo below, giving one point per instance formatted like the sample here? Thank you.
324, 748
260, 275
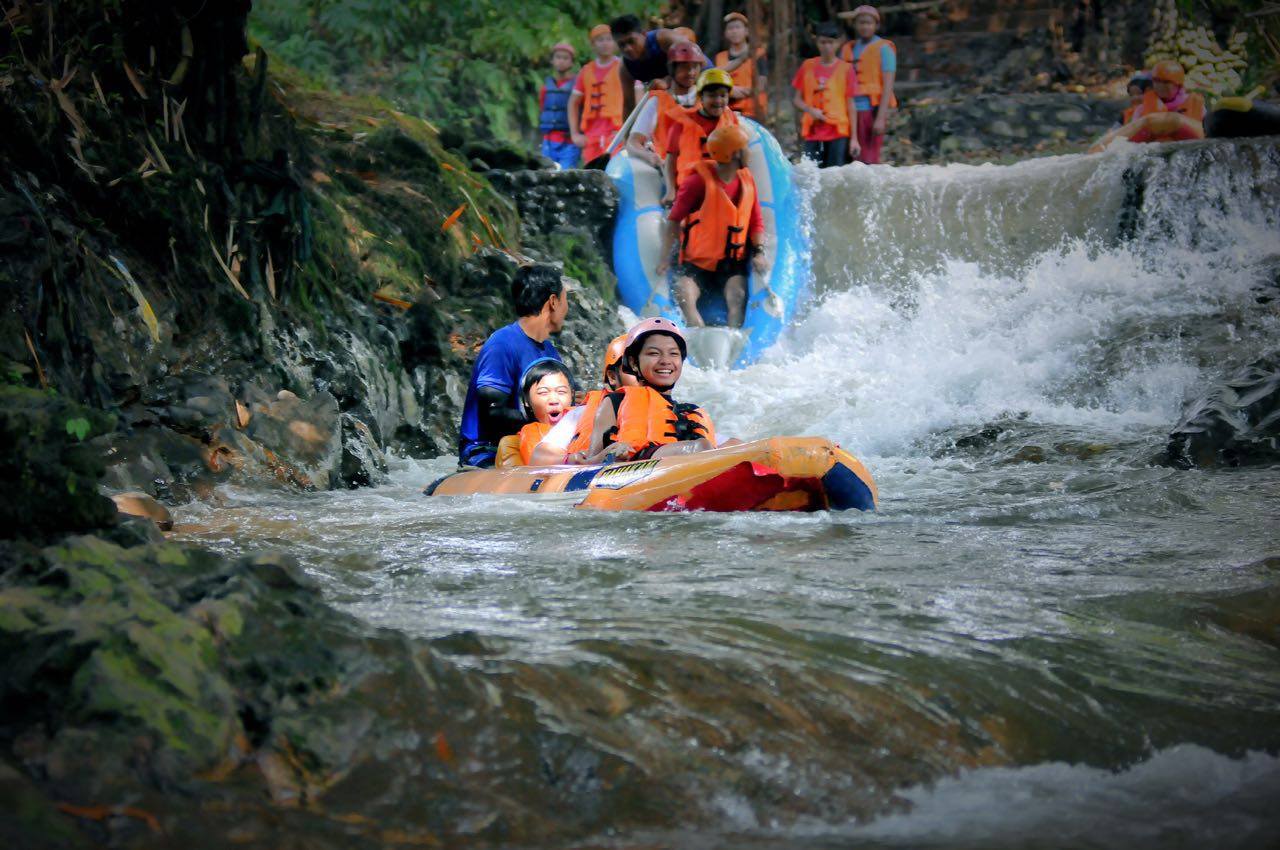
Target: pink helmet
867, 10
656, 325
685, 51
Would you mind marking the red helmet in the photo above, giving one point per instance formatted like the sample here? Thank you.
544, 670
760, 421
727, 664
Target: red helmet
656, 325
685, 51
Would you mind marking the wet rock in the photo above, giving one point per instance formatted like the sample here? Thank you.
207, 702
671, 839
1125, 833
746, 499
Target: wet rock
162, 463
142, 505
1236, 424
50, 471
363, 462
304, 435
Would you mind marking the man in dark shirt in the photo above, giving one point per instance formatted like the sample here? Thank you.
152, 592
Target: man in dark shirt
644, 55
491, 412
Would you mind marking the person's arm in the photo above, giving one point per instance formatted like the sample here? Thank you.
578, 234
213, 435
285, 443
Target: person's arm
817, 114
669, 176
889, 71
497, 417
642, 132
854, 147
575, 118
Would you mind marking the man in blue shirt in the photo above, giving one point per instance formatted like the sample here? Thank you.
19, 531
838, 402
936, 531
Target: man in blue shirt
541, 298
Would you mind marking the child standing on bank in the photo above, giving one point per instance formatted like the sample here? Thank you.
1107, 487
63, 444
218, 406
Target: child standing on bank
553, 103
595, 107
825, 87
747, 65
876, 61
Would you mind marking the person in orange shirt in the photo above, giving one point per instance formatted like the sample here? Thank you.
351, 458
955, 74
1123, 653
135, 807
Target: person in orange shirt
718, 212
686, 141
595, 106
749, 68
825, 86
875, 60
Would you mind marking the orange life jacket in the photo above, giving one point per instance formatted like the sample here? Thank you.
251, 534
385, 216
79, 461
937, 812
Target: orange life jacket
603, 94
717, 231
666, 102
870, 77
1128, 115
744, 76
526, 441
693, 139
647, 418
833, 100
581, 441
1192, 108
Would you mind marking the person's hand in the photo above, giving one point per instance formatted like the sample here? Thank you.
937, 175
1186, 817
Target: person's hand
878, 126
818, 114
739, 92
760, 263
619, 452
854, 148
575, 458
663, 266
578, 139
669, 198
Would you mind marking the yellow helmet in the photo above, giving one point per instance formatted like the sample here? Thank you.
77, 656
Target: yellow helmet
714, 77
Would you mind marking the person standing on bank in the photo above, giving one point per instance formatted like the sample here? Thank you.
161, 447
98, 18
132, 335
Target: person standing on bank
876, 61
492, 411
595, 107
747, 65
825, 87
553, 109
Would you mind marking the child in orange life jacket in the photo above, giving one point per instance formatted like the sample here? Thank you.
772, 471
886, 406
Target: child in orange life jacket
722, 228
595, 107
553, 105
570, 438
1137, 89
875, 62
646, 421
749, 68
686, 142
824, 90
648, 139
546, 394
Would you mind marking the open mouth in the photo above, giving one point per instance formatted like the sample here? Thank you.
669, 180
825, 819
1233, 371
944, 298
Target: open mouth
555, 416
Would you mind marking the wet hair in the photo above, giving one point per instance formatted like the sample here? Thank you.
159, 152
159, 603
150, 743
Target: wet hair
1143, 83
828, 29
535, 373
624, 25
532, 286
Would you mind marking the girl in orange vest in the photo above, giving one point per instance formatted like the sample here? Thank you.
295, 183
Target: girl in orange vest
686, 142
825, 87
749, 68
718, 211
595, 107
648, 139
546, 394
876, 61
568, 441
647, 421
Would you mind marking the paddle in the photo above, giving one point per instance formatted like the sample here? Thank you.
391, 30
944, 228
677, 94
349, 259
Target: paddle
599, 163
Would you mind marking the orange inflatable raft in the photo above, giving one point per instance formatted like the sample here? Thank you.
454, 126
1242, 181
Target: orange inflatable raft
778, 474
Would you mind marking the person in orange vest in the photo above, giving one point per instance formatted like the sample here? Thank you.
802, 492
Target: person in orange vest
876, 62
553, 105
1168, 95
749, 68
648, 138
1137, 89
546, 394
718, 211
569, 439
646, 421
595, 107
686, 141
824, 91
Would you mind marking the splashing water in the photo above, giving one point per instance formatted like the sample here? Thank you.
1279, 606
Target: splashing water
1039, 634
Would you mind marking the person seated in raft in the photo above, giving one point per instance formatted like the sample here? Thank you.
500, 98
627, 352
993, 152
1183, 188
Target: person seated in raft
595, 107
553, 106
1168, 112
875, 62
824, 90
648, 139
686, 141
546, 395
491, 410
646, 421
644, 55
749, 68
570, 439
718, 211
1137, 89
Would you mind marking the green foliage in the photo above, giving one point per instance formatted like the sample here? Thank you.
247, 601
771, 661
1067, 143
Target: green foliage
78, 427
470, 66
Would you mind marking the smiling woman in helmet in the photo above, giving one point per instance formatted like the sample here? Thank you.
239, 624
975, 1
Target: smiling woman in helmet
647, 421
717, 211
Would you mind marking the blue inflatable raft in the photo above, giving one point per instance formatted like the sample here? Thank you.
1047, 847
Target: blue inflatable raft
771, 303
